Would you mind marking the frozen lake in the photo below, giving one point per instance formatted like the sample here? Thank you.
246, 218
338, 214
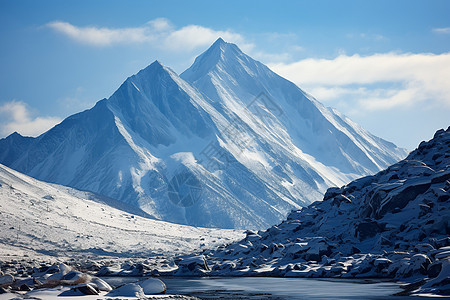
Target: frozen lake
274, 288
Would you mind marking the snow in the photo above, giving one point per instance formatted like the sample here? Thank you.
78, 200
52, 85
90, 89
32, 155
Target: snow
54, 220
393, 224
255, 143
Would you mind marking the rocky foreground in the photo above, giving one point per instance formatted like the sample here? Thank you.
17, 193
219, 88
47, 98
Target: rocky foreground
394, 224
61, 280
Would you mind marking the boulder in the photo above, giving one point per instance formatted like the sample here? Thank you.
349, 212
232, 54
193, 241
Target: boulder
75, 277
86, 289
128, 290
402, 198
423, 248
153, 286
108, 271
24, 288
192, 263
368, 229
30, 281
101, 284
58, 272
340, 199
6, 280
434, 269
382, 264
441, 284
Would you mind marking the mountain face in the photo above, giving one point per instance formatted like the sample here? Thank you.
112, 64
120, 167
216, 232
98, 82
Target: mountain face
394, 224
227, 144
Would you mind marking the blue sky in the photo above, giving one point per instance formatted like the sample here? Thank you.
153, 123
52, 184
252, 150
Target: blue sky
385, 64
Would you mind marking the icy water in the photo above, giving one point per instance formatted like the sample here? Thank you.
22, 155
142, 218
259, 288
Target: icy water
274, 288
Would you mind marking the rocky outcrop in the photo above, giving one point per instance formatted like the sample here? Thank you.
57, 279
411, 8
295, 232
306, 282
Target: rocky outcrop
394, 224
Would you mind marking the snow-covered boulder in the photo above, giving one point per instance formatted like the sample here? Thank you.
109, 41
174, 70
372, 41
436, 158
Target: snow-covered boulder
57, 273
128, 290
153, 286
101, 284
108, 271
75, 277
193, 263
86, 289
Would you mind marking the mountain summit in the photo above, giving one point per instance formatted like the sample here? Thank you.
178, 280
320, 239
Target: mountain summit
227, 144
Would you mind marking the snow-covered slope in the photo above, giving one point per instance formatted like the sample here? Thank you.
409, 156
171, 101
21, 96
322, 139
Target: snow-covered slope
41, 218
288, 121
232, 145
394, 224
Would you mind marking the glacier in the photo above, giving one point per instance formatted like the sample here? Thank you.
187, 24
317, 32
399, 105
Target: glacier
228, 144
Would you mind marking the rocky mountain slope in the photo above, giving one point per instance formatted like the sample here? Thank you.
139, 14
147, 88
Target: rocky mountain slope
394, 224
228, 144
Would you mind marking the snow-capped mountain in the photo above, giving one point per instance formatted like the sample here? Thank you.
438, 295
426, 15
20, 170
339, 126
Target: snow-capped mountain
228, 144
48, 219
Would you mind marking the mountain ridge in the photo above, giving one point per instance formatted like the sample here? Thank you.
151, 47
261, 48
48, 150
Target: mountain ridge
238, 147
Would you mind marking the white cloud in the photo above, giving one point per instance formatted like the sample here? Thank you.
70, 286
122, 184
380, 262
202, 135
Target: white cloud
159, 32
15, 116
443, 30
400, 79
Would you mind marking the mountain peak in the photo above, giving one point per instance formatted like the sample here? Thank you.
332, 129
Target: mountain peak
155, 65
15, 134
219, 41
220, 52
156, 68
222, 48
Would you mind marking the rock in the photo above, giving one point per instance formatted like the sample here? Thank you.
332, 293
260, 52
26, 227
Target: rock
317, 248
354, 250
153, 286
442, 254
6, 280
108, 271
24, 288
339, 199
133, 270
30, 281
58, 272
442, 242
417, 264
75, 277
331, 193
194, 262
424, 210
252, 235
101, 284
441, 284
434, 269
86, 289
297, 248
381, 264
402, 198
366, 230
128, 290
423, 247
